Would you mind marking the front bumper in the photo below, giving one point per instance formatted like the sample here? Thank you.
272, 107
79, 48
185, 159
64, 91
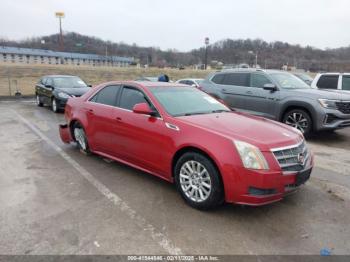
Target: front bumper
261, 187
332, 119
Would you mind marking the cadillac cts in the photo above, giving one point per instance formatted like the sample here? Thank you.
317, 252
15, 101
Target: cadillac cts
185, 136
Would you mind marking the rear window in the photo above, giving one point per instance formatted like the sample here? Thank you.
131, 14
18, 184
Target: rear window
217, 79
346, 82
328, 82
236, 79
106, 96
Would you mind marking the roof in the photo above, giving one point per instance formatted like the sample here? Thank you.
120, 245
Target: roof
156, 84
60, 76
43, 52
250, 70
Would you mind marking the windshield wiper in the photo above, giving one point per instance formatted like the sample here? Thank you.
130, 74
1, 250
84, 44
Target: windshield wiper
220, 111
195, 113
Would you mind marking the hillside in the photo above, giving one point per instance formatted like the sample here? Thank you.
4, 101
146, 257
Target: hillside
228, 51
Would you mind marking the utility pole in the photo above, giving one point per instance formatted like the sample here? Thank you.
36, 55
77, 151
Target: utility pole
60, 15
206, 42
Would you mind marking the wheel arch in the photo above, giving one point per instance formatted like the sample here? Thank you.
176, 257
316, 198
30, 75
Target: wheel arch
299, 105
198, 150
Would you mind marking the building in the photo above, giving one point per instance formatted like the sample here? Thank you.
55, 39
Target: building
41, 56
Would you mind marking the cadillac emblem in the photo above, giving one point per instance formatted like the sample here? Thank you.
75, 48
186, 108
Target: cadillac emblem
301, 159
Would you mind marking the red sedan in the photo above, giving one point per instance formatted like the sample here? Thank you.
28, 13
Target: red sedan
185, 136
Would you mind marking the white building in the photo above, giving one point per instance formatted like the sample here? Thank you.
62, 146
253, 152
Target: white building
41, 56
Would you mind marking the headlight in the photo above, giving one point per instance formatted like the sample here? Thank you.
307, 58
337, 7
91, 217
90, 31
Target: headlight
326, 103
63, 95
251, 156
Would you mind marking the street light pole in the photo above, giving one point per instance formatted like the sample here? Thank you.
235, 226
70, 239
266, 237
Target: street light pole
60, 15
206, 41
256, 57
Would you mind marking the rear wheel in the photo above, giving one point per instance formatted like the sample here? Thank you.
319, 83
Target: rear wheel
198, 181
80, 138
299, 119
38, 101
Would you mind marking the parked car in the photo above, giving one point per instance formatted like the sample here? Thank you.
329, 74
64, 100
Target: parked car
55, 90
185, 136
332, 81
195, 82
304, 77
280, 96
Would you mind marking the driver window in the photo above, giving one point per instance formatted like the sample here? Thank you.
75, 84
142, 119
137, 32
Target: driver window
258, 80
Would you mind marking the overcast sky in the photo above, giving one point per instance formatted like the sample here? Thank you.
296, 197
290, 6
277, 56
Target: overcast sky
183, 24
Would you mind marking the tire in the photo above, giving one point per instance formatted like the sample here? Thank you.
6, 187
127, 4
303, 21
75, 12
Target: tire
199, 191
79, 136
54, 106
38, 101
300, 119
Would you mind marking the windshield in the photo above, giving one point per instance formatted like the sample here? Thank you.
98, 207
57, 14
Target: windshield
181, 101
288, 81
68, 82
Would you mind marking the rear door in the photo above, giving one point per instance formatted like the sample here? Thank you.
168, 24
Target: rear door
236, 91
101, 123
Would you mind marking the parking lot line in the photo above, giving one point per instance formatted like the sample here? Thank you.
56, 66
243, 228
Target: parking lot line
157, 236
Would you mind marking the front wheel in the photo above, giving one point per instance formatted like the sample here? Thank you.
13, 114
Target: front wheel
299, 119
198, 181
80, 138
54, 105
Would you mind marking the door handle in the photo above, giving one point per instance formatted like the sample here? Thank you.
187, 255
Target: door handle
119, 119
89, 110
249, 92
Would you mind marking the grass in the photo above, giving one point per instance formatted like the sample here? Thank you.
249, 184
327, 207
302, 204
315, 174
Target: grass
24, 77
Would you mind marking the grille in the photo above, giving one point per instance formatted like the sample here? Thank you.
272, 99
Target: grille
343, 107
292, 158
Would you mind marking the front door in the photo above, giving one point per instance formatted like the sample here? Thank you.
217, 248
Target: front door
140, 137
263, 102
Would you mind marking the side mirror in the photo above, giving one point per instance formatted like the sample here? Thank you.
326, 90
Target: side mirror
89, 85
270, 87
194, 85
143, 108
49, 86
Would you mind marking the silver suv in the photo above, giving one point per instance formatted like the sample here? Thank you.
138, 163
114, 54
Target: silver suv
280, 96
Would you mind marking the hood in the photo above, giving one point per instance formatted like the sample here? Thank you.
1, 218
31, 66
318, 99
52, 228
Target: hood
324, 93
261, 132
75, 91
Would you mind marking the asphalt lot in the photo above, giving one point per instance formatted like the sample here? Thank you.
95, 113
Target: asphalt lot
55, 200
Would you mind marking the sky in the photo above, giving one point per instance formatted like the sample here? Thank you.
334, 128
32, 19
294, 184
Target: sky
183, 24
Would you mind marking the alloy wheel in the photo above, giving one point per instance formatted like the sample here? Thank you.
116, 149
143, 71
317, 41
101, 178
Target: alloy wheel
54, 105
79, 136
298, 121
195, 181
